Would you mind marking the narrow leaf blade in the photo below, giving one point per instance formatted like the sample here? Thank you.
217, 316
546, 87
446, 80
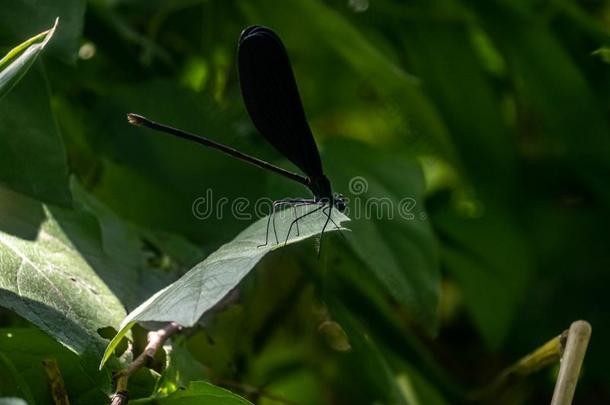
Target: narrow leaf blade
15, 64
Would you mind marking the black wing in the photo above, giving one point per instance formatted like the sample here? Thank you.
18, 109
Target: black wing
272, 98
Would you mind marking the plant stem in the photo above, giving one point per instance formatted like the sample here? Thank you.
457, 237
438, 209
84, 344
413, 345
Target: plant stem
571, 362
155, 340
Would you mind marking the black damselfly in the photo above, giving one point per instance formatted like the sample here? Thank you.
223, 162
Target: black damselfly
272, 99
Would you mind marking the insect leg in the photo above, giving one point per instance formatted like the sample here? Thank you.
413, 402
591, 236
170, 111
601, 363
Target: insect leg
276, 204
301, 217
328, 219
334, 223
287, 202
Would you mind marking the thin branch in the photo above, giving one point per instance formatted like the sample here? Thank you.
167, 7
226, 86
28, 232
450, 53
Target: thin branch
155, 341
571, 362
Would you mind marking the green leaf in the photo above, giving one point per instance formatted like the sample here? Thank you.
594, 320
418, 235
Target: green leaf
375, 373
198, 392
574, 124
32, 156
12, 401
492, 272
15, 64
26, 17
22, 374
476, 125
187, 299
54, 272
603, 53
123, 252
182, 368
394, 238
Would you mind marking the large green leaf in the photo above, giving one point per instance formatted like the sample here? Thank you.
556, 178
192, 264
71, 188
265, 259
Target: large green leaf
22, 351
491, 271
187, 299
32, 159
32, 156
124, 261
391, 232
54, 271
198, 392
15, 64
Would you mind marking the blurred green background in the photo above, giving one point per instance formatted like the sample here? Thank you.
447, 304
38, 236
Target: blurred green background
492, 115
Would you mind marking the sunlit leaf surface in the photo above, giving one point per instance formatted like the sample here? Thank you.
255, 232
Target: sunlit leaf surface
186, 300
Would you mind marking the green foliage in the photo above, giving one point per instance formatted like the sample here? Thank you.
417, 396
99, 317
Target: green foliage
49, 280
479, 127
388, 242
12, 401
199, 290
21, 355
33, 159
25, 18
198, 392
18, 61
